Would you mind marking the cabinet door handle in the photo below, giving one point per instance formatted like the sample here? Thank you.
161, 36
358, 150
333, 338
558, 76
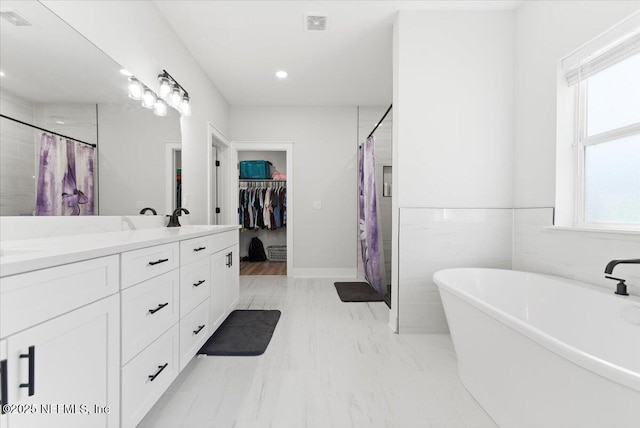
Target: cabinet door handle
155, 375
4, 399
228, 259
31, 384
199, 249
157, 262
200, 327
231, 259
202, 281
160, 306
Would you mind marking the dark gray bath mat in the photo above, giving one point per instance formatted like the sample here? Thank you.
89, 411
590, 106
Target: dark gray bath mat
357, 292
243, 333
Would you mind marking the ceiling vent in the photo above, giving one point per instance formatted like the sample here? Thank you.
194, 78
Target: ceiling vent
14, 18
315, 22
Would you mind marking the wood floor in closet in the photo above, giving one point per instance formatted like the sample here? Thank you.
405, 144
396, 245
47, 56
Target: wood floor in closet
263, 268
329, 365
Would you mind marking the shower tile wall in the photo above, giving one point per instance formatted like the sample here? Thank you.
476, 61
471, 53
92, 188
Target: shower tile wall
571, 254
432, 239
17, 157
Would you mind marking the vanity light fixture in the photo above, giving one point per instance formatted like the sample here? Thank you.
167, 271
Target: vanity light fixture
185, 107
149, 98
160, 108
165, 86
136, 89
174, 94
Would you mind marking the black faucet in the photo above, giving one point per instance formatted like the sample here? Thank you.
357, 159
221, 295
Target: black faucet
173, 218
144, 210
621, 288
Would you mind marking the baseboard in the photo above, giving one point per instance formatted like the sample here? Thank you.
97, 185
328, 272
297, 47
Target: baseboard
324, 273
393, 321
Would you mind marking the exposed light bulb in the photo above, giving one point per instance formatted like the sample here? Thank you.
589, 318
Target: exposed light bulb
165, 86
135, 89
176, 98
149, 98
185, 107
160, 108
281, 74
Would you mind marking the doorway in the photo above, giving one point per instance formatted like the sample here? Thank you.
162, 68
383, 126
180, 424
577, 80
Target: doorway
264, 207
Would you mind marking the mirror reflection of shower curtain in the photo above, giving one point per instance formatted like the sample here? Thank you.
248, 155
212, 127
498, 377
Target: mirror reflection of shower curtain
65, 177
368, 226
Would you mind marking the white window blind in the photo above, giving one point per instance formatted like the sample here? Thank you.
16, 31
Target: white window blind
610, 48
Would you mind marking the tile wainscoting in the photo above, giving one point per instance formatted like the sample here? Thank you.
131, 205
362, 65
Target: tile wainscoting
521, 239
579, 255
432, 239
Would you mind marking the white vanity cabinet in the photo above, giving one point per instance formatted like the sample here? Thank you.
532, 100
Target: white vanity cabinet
95, 343
61, 337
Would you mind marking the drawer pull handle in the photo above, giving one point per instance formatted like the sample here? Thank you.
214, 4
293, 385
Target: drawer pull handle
155, 375
202, 281
160, 306
200, 327
199, 249
31, 384
157, 262
4, 399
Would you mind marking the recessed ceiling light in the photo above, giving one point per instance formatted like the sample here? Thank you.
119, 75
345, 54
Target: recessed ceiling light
125, 72
281, 74
59, 122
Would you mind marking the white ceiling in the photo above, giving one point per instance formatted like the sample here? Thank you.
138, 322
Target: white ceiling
241, 44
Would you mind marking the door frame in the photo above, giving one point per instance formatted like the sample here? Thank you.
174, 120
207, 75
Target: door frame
265, 146
170, 150
216, 138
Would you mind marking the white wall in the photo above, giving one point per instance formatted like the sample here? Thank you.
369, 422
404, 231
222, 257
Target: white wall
546, 32
324, 165
453, 139
136, 35
455, 115
131, 155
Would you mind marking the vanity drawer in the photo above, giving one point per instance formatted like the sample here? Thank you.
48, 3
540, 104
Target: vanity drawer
31, 298
140, 389
140, 265
148, 310
194, 284
223, 240
194, 331
195, 249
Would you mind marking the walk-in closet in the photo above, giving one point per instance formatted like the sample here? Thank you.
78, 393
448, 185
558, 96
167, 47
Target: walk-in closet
262, 212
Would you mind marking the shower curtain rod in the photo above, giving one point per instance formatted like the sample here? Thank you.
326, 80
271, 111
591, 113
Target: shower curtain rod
380, 122
46, 130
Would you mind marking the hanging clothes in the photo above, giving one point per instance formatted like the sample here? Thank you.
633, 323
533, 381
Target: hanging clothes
262, 205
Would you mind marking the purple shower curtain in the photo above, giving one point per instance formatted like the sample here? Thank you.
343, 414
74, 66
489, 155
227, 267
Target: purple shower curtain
65, 177
368, 215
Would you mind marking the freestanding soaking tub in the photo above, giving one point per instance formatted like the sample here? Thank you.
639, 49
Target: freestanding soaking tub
539, 351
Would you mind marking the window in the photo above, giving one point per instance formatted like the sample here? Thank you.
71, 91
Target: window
598, 150
608, 149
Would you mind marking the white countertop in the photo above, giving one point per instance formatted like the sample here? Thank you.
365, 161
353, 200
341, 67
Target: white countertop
19, 256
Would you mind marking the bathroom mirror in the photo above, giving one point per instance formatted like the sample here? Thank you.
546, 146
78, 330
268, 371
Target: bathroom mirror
69, 131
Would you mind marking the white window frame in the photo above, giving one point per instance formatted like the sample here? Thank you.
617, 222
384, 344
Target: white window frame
583, 141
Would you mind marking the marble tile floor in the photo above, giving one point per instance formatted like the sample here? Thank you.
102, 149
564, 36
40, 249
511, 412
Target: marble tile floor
329, 365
